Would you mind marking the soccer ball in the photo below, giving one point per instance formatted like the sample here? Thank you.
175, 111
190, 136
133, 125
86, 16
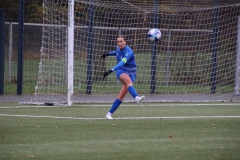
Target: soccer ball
154, 34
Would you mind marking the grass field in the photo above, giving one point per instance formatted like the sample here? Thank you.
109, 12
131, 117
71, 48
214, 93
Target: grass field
185, 131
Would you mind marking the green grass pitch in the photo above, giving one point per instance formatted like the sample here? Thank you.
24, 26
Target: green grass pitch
153, 131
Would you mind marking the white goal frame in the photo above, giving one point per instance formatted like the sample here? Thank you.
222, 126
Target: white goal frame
237, 74
70, 51
89, 34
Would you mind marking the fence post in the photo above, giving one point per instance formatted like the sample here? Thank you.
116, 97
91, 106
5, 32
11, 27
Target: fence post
2, 31
20, 47
214, 48
10, 54
168, 58
154, 50
90, 49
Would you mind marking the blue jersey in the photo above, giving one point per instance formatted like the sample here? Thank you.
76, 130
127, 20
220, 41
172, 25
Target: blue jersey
125, 59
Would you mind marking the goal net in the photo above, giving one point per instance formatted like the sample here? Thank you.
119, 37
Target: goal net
197, 58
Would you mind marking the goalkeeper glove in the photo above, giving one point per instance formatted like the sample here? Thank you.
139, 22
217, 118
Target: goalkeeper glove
104, 55
105, 74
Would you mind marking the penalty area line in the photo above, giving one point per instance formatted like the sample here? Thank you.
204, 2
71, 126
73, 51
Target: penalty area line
123, 118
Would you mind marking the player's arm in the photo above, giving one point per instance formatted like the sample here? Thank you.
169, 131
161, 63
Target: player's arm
120, 64
113, 53
124, 60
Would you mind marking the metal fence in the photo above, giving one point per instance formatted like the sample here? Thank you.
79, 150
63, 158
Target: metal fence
20, 16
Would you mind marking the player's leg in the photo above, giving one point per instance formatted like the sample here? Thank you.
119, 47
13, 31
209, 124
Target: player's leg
127, 80
118, 101
126, 86
122, 92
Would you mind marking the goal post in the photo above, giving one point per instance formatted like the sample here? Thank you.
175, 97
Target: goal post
70, 51
237, 71
195, 60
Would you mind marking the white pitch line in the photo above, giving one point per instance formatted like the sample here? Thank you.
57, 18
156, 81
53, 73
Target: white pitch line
54, 117
33, 106
123, 118
129, 104
168, 104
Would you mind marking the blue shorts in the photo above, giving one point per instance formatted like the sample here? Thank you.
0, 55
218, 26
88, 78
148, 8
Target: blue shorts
131, 74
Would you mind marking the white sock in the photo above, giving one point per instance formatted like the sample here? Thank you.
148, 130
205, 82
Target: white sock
136, 98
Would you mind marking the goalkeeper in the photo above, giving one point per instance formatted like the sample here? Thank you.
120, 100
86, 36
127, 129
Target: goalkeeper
125, 72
